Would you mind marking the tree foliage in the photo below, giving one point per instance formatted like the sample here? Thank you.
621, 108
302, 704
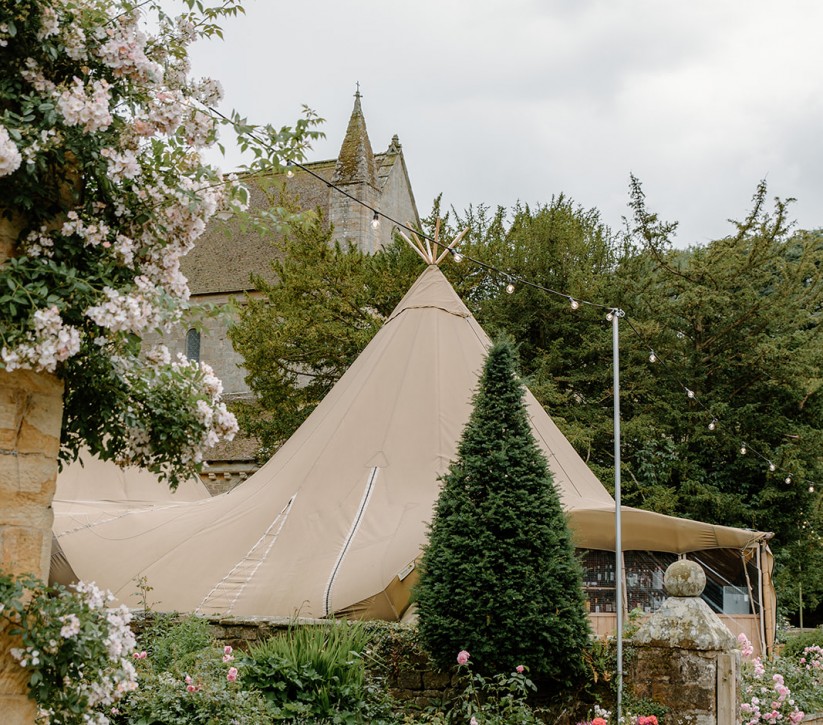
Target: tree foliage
737, 321
499, 576
299, 335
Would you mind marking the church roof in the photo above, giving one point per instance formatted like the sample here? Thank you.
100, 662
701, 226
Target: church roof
226, 255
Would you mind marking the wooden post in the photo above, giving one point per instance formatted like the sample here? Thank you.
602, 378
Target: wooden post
726, 689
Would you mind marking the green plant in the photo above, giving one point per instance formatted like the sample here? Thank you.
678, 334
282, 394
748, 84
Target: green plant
186, 678
175, 642
311, 673
75, 649
495, 700
779, 688
796, 643
499, 576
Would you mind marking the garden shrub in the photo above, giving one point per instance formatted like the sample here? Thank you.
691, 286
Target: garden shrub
185, 678
315, 674
780, 688
499, 576
796, 643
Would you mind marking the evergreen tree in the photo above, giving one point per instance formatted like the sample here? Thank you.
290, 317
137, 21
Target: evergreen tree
499, 576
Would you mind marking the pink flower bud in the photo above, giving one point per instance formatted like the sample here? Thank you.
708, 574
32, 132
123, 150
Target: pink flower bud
462, 657
231, 676
519, 669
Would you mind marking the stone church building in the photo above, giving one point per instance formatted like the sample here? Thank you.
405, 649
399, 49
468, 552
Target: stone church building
220, 266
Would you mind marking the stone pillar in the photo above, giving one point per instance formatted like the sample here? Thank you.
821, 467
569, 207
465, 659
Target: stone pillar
31, 411
686, 658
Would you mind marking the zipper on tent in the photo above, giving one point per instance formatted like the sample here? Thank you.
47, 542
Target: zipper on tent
364, 502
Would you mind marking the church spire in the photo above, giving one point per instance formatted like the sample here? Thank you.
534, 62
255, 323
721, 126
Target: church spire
355, 162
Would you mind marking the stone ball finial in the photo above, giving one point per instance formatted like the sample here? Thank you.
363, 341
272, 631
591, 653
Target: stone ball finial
684, 578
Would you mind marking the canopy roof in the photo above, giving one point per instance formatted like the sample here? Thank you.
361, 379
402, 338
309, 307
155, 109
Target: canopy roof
90, 479
335, 521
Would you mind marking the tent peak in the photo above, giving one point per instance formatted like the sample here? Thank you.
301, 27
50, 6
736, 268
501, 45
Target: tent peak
436, 253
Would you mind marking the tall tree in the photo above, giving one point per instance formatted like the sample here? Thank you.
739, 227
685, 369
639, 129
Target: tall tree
738, 322
499, 576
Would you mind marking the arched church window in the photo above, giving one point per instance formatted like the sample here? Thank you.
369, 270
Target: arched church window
193, 345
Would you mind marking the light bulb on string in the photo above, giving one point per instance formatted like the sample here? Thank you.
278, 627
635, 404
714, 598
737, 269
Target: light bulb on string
713, 424
743, 450
375, 222
689, 392
788, 479
510, 287
289, 170
574, 303
772, 467
811, 488
610, 316
457, 257
652, 357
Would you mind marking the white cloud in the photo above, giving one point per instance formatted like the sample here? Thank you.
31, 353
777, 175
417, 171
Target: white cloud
499, 101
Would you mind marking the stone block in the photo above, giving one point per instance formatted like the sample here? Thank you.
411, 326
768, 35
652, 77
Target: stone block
32, 478
25, 549
436, 680
36, 396
410, 680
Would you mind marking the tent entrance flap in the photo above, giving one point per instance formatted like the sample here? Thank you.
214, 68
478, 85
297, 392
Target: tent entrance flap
355, 525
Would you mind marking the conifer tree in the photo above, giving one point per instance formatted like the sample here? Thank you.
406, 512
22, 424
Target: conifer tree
499, 576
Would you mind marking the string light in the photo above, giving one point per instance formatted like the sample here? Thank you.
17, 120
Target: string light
575, 304
788, 479
289, 170
743, 450
772, 467
375, 222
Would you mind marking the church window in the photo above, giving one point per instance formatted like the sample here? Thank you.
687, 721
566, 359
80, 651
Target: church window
193, 345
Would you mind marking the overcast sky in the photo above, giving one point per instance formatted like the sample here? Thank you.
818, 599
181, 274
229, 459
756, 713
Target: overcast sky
496, 101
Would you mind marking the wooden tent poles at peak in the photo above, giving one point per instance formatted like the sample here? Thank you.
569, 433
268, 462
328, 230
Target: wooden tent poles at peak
423, 246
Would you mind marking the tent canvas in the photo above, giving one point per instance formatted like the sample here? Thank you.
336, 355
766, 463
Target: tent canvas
89, 491
335, 520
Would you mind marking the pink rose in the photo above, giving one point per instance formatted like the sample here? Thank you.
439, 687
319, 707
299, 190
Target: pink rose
519, 669
462, 657
231, 676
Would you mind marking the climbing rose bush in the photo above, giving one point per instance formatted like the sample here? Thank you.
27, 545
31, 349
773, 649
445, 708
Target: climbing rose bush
104, 190
76, 649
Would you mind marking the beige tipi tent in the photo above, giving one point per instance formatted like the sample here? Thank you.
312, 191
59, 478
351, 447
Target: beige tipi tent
335, 521
90, 491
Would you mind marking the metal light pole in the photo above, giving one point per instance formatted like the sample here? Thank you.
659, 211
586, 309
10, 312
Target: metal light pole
616, 314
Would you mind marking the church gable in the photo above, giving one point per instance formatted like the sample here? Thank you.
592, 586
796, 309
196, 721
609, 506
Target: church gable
225, 257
